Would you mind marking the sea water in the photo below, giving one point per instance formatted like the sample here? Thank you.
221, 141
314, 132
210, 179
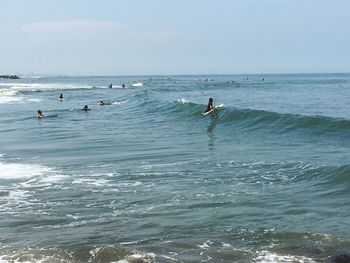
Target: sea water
148, 178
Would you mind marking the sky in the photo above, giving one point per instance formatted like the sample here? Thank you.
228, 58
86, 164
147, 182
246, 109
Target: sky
174, 37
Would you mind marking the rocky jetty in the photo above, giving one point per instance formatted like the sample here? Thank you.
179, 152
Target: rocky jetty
9, 77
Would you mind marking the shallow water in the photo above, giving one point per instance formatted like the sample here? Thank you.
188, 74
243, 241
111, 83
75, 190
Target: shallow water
148, 178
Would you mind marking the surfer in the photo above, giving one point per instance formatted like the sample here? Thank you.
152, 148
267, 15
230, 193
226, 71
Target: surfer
86, 108
123, 85
210, 105
101, 102
110, 86
40, 114
61, 97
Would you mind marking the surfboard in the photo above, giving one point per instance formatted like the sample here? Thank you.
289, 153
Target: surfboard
46, 116
138, 84
215, 108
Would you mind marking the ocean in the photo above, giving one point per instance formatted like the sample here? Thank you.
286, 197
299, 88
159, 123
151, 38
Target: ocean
147, 178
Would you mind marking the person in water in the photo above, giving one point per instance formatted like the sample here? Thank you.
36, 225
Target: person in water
123, 85
40, 114
101, 102
86, 108
210, 105
61, 97
110, 86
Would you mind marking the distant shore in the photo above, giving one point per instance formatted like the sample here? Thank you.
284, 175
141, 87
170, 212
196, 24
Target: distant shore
9, 77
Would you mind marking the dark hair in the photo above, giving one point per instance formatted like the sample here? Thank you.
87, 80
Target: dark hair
210, 99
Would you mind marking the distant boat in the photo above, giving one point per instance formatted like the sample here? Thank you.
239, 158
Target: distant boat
137, 84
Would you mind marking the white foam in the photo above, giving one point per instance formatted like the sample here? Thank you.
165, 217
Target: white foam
270, 257
150, 166
76, 217
53, 179
146, 258
92, 182
33, 256
7, 259
119, 102
8, 96
43, 86
167, 257
129, 184
4, 100
183, 101
129, 243
8, 92
13, 96
53, 86
23, 85
206, 244
17, 196
17, 170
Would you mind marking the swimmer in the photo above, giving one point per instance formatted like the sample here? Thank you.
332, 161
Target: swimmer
86, 108
61, 97
40, 114
101, 102
110, 86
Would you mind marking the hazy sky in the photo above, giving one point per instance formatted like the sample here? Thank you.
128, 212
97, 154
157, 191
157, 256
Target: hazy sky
80, 37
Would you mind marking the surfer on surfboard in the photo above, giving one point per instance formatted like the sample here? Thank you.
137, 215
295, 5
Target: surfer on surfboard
210, 105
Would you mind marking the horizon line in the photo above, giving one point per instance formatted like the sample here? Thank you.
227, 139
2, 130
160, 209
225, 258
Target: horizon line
188, 74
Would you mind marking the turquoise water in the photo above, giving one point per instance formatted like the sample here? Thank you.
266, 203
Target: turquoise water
147, 178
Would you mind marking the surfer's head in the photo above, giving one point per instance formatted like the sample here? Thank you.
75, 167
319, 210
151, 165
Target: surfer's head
40, 112
211, 100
